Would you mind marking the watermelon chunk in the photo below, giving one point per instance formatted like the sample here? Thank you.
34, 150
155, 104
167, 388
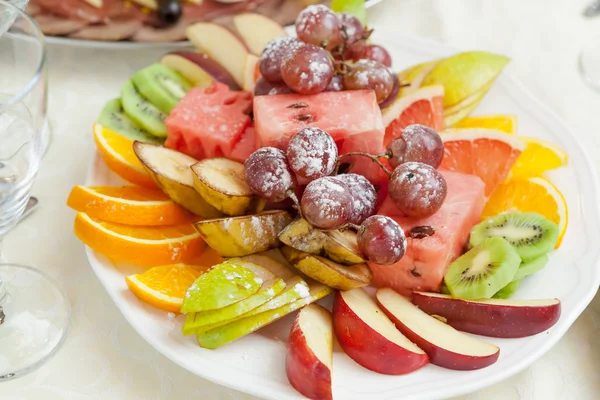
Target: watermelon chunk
209, 122
247, 145
427, 259
351, 117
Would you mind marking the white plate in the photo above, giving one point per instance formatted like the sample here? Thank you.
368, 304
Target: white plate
255, 364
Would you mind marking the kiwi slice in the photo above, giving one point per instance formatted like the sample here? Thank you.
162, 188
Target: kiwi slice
113, 118
483, 270
142, 111
508, 290
161, 86
530, 267
530, 234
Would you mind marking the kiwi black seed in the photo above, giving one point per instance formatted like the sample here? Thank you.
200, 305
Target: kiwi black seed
483, 270
529, 233
113, 118
161, 86
142, 111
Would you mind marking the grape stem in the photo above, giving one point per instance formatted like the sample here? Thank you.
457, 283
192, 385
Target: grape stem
373, 158
296, 202
349, 225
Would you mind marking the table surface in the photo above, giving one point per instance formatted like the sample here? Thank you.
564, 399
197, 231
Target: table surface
104, 358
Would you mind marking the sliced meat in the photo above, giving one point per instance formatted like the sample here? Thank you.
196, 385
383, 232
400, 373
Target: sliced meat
33, 9
112, 31
53, 25
174, 33
284, 12
211, 9
77, 9
126, 10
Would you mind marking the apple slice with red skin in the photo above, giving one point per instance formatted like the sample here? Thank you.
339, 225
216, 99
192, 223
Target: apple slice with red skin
250, 73
220, 44
445, 346
198, 68
492, 317
309, 358
257, 30
370, 338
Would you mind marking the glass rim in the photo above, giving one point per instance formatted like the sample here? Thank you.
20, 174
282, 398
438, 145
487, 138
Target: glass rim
39, 36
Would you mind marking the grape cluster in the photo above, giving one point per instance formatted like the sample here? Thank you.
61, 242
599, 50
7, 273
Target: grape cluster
330, 53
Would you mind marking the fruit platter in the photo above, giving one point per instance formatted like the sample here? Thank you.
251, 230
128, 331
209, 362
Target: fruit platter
340, 213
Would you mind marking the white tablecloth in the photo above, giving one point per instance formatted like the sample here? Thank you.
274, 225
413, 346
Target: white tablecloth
103, 358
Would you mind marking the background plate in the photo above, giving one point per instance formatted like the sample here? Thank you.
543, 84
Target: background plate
255, 364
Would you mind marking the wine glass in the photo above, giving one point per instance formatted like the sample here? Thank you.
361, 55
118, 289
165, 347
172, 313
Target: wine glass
35, 312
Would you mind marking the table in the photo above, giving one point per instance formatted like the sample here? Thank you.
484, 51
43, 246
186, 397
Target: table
104, 358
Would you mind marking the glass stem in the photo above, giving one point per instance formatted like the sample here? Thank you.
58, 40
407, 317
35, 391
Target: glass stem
3, 292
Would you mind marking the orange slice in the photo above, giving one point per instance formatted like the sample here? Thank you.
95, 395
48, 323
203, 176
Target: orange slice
536, 194
165, 286
117, 153
149, 246
421, 107
486, 153
503, 122
128, 205
539, 157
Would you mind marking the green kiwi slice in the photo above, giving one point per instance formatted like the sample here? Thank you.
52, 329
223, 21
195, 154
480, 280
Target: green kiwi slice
113, 118
530, 267
508, 290
530, 234
142, 111
161, 86
483, 270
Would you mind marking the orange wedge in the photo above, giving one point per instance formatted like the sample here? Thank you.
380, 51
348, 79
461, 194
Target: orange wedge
148, 246
486, 153
165, 286
536, 194
117, 153
128, 205
539, 157
502, 122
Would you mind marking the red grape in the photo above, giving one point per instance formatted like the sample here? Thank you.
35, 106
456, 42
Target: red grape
417, 143
377, 53
273, 54
312, 153
381, 240
320, 26
307, 69
417, 189
353, 32
268, 174
368, 74
264, 87
364, 196
394, 94
326, 203
336, 84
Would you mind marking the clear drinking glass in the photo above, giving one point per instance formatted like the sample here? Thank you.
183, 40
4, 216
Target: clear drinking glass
35, 312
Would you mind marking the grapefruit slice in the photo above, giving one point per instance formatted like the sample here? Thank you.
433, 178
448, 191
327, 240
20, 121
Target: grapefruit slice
486, 153
421, 107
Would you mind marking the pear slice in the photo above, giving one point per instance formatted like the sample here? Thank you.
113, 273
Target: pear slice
241, 236
224, 284
414, 77
221, 183
271, 287
339, 246
171, 172
217, 337
281, 270
328, 272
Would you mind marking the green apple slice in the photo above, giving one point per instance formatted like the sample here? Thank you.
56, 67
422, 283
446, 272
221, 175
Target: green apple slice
217, 337
465, 73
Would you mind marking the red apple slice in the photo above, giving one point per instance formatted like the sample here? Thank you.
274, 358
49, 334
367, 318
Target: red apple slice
492, 317
256, 30
198, 68
221, 45
445, 346
310, 353
250, 73
370, 338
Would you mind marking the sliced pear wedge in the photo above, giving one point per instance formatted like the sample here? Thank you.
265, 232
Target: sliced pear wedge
217, 337
241, 236
221, 183
171, 172
328, 272
339, 246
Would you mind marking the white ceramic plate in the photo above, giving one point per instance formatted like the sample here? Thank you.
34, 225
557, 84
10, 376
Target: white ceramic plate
255, 364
